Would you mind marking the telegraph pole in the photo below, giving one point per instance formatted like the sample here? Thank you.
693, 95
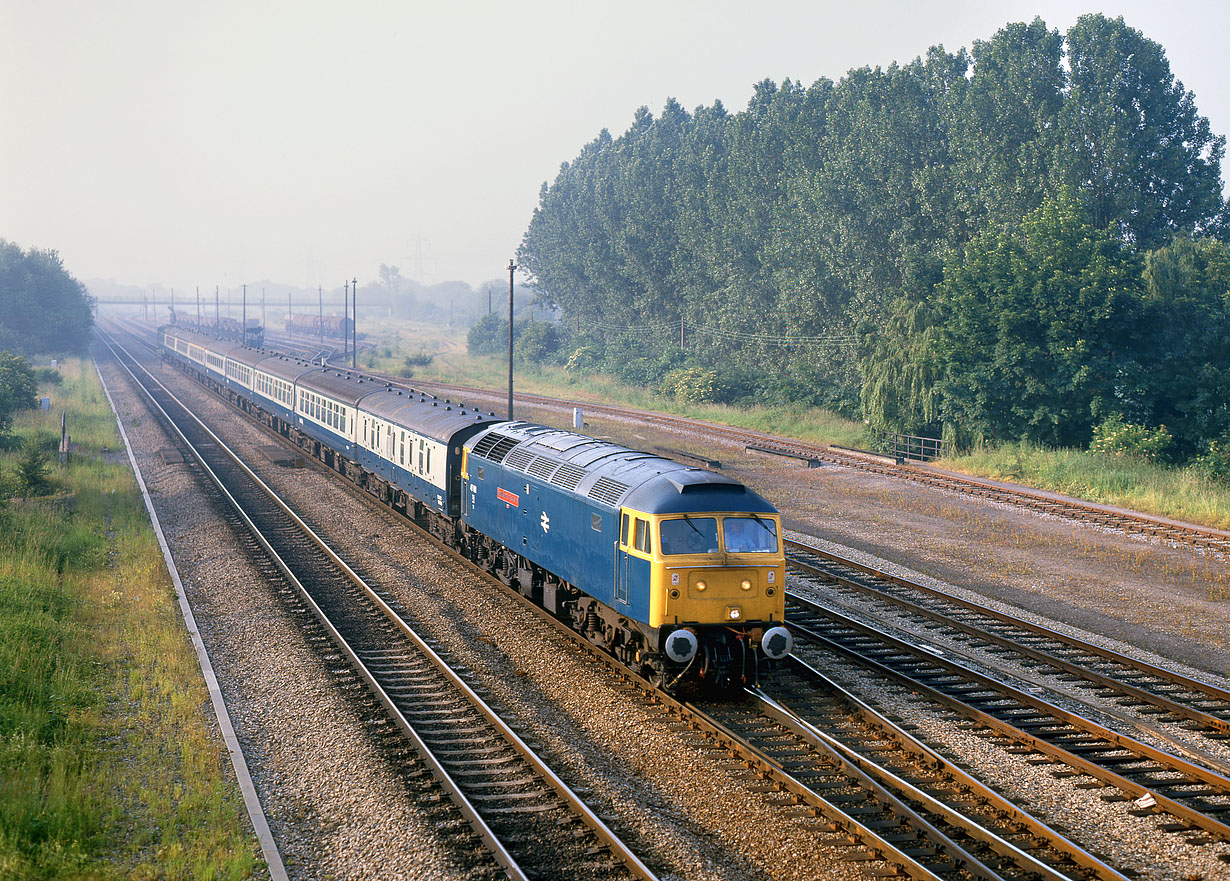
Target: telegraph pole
243, 331
198, 306
354, 349
345, 318
512, 267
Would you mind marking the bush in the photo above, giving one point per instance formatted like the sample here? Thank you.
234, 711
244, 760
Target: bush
32, 478
536, 342
1214, 462
488, 336
1115, 437
697, 385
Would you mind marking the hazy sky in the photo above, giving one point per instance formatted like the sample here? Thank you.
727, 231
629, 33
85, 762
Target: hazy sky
219, 142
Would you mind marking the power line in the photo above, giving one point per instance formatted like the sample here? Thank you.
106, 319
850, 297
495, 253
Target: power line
837, 340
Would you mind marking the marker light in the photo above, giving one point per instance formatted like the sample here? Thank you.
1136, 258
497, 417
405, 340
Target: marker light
734, 613
701, 586
746, 585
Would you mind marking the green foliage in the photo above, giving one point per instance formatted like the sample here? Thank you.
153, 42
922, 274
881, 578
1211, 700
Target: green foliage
1185, 378
32, 478
1115, 437
536, 342
17, 387
533, 342
109, 768
488, 336
1132, 144
42, 307
696, 385
1214, 462
828, 213
1038, 330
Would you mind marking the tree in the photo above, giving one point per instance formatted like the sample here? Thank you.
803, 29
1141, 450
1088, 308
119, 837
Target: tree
1185, 378
1039, 330
17, 387
1143, 160
42, 307
1004, 134
32, 477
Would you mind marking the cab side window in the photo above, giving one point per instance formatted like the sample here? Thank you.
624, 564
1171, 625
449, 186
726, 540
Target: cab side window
642, 536
623, 530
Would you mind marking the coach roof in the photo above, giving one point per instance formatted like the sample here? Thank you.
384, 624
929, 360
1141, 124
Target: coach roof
424, 413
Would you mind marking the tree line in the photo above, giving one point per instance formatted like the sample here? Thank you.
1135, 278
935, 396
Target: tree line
1023, 240
43, 309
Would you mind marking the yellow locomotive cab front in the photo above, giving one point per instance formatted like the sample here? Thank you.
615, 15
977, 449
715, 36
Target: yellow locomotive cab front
717, 569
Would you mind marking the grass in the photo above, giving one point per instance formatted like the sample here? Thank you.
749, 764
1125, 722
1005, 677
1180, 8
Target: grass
1152, 489
109, 767
1112, 480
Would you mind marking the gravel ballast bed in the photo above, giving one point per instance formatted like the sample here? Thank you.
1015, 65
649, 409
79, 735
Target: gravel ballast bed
652, 784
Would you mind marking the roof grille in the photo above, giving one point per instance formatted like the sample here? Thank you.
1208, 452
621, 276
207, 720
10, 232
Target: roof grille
543, 468
494, 446
520, 459
568, 476
608, 491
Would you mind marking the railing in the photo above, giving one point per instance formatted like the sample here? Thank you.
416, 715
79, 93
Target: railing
909, 446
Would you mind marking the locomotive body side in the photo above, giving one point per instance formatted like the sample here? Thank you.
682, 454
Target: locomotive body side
597, 533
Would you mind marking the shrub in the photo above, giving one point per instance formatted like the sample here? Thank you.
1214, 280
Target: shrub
696, 385
1214, 462
1115, 437
32, 478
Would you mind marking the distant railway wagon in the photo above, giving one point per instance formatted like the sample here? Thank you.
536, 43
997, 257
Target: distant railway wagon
677, 571
222, 328
306, 324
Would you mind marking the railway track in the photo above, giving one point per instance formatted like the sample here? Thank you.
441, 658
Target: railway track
1148, 688
921, 816
529, 820
1197, 798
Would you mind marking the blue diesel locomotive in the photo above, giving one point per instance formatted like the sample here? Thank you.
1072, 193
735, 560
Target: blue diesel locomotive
677, 571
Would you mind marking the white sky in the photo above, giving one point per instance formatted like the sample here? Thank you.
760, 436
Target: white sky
222, 142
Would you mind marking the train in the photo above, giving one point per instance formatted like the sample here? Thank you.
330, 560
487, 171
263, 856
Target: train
307, 324
223, 328
677, 571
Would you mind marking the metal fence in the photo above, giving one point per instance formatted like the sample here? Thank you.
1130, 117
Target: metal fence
909, 446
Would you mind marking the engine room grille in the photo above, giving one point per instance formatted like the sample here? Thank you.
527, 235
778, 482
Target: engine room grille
608, 491
568, 476
495, 446
519, 459
543, 468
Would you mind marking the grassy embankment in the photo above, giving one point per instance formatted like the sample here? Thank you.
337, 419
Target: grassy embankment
109, 763
1153, 489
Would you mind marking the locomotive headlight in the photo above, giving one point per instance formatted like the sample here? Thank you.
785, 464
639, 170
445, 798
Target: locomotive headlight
746, 585
734, 613
701, 586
